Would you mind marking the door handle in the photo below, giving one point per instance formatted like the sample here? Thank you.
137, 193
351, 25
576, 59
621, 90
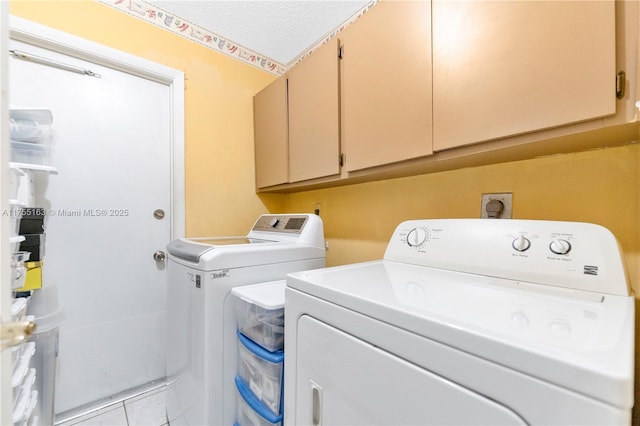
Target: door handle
159, 256
316, 404
14, 333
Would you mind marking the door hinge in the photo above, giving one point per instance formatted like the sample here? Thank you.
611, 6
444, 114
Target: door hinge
621, 83
341, 160
340, 51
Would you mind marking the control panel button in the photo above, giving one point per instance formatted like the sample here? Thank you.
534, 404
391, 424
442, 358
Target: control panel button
560, 328
559, 246
416, 237
521, 243
520, 319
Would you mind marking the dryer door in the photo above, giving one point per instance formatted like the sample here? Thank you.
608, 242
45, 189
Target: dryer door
342, 380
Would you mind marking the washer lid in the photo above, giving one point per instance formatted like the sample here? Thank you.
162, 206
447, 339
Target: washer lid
192, 249
227, 241
562, 336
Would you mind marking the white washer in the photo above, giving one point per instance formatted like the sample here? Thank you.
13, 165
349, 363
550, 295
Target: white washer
465, 322
201, 341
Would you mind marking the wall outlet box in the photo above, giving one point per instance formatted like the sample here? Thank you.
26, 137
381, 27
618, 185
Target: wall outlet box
506, 198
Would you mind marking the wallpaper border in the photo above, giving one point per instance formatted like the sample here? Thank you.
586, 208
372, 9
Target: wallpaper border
168, 21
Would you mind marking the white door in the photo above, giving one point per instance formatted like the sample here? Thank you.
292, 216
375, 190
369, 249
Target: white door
6, 367
113, 151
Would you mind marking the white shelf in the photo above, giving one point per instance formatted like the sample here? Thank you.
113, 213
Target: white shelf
34, 168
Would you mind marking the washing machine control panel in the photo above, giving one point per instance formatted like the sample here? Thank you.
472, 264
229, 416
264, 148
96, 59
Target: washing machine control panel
564, 254
291, 224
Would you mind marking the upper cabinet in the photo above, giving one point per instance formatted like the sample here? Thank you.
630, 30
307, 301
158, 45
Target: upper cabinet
386, 85
502, 68
416, 86
270, 134
296, 122
314, 131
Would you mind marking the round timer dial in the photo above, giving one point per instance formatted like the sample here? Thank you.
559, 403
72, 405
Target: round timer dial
416, 237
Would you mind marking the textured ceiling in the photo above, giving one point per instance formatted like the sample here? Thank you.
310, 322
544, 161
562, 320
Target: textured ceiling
277, 29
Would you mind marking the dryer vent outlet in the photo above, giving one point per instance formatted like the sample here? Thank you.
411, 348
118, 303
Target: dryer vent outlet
496, 206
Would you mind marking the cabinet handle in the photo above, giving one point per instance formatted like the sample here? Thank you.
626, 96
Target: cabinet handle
621, 83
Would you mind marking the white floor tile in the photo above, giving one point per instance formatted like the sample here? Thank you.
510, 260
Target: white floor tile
113, 415
148, 409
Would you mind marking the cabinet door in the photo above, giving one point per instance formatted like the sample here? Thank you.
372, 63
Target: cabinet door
314, 132
502, 68
386, 86
270, 134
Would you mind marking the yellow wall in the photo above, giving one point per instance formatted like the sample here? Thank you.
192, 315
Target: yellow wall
220, 189
600, 186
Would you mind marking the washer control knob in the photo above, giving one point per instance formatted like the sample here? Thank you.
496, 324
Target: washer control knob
274, 222
559, 246
416, 237
521, 243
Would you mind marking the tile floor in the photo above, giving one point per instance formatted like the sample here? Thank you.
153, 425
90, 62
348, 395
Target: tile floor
147, 409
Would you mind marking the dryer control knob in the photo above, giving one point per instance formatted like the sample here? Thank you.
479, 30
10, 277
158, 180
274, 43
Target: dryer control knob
520, 319
416, 237
560, 328
521, 243
559, 246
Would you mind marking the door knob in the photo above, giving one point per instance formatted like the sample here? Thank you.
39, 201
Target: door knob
159, 256
14, 333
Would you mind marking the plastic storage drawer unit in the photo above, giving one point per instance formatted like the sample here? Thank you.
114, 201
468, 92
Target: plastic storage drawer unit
250, 412
260, 312
31, 126
262, 371
31, 135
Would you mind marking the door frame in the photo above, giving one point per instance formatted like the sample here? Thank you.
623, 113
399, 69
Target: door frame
45, 37
6, 391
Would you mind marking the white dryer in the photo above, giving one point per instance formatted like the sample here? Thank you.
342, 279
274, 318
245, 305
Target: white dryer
201, 341
483, 322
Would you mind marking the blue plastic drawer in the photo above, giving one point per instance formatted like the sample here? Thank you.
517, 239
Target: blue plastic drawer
250, 411
262, 371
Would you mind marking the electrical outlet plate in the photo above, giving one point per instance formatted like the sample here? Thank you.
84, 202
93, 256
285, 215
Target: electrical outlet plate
505, 197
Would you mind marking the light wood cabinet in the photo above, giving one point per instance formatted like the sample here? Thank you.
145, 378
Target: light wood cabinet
386, 85
502, 68
434, 85
270, 134
314, 132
